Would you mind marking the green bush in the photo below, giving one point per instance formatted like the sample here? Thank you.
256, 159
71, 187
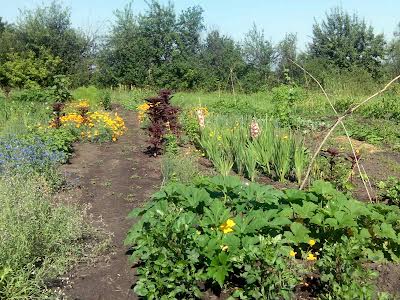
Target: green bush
34, 95
390, 190
38, 239
285, 97
252, 240
106, 99
60, 89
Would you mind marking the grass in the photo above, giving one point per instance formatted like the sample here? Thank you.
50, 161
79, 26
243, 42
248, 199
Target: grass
17, 117
39, 239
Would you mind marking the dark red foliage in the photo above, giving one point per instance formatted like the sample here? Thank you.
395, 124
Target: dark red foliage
83, 110
163, 120
332, 151
57, 108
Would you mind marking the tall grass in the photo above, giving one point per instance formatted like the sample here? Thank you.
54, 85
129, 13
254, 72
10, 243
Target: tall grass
17, 117
38, 240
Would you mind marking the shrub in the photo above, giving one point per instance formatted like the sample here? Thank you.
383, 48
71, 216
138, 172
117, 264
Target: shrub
106, 100
163, 119
390, 190
33, 95
60, 88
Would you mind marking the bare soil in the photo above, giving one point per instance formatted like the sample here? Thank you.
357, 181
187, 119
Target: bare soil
112, 179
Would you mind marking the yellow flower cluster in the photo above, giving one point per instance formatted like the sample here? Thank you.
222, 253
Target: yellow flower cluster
114, 123
142, 109
72, 118
95, 124
202, 109
82, 104
227, 226
310, 256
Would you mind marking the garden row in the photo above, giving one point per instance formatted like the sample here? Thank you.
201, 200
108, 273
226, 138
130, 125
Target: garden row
238, 239
39, 238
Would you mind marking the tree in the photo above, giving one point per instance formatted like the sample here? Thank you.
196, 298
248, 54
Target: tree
394, 53
156, 48
220, 57
29, 70
258, 54
50, 27
346, 41
189, 27
287, 50
124, 58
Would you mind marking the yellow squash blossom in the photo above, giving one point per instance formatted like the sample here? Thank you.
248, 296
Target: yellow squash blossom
311, 242
311, 257
292, 253
227, 226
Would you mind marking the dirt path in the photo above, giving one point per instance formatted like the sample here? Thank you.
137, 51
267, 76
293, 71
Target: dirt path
113, 178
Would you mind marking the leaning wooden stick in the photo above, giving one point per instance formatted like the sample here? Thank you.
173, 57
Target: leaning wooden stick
340, 121
344, 128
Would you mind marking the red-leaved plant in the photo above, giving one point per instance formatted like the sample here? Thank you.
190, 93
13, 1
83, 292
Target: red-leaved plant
57, 111
163, 120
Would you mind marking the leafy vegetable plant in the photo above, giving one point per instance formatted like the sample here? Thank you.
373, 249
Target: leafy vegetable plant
252, 241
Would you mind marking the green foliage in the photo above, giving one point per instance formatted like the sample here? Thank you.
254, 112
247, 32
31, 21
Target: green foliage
181, 167
50, 27
18, 117
344, 275
375, 131
39, 241
33, 95
390, 190
28, 70
106, 100
346, 41
223, 234
92, 94
60, 89
285, 97
60, 139
278, 152
160, 46
171, 143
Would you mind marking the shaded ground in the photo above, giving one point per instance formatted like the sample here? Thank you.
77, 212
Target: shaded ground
111, 179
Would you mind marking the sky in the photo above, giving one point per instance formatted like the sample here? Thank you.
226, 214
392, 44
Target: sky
232, 17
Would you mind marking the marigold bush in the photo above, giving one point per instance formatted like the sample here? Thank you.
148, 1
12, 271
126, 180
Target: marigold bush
96, 126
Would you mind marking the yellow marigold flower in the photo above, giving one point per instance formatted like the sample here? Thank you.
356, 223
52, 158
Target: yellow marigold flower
227, 226
292, 253
311, 257
114, 139
311, 242
82, 104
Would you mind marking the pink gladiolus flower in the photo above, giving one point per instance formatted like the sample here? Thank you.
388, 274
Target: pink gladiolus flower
201, 118
254, 129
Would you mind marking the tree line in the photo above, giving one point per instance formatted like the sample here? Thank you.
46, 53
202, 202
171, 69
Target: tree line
161, 47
